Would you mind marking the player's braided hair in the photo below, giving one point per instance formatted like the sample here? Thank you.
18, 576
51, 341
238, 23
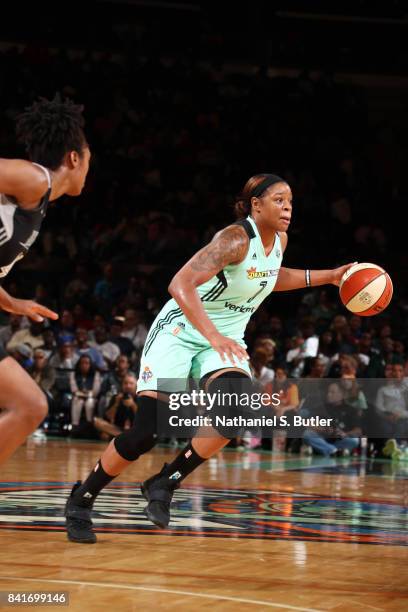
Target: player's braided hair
51, 128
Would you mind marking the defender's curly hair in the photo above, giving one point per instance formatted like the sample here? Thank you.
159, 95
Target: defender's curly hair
51, 128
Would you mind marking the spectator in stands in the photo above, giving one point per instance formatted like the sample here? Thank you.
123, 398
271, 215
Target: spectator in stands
82, 347
113, 381
49, 347
366, 353
121, 409
66, 327
41, 371
266, 343
27, 335
133, 328
325, 308
85, 385
353, 395
342, 334
327, 349
15, 324
125, 345
342, 434
356, 325
288, 391
399, 351
387, 349
392, 403
64, 362
262, 375
109, 350
294, 356
314, 368
305, 346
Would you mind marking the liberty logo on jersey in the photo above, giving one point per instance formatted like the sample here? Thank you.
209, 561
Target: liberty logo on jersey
147, 374
253, 273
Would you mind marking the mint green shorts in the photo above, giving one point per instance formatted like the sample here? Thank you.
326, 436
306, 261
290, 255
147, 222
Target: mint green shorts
177, 352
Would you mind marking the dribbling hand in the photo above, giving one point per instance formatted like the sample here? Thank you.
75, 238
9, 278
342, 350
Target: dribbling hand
228, 349
31, 309
338, 273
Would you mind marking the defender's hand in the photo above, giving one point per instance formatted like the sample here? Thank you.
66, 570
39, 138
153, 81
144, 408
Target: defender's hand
31, 309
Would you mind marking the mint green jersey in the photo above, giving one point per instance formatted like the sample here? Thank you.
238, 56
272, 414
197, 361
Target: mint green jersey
174, 349
231, 297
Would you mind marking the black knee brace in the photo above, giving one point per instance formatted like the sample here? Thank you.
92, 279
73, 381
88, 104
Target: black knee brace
141, 437
231, 388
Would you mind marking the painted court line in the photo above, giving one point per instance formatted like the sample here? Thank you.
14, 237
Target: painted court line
109, 585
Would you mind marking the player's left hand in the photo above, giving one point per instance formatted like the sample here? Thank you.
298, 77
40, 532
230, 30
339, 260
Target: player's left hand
338, 273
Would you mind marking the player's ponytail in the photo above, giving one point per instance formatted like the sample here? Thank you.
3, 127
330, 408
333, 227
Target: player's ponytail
242, 209
254, 187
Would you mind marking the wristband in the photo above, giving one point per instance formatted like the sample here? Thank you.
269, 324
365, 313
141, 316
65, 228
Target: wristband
307, 278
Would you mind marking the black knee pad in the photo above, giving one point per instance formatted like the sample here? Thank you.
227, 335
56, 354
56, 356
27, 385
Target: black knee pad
231, 389
141, 437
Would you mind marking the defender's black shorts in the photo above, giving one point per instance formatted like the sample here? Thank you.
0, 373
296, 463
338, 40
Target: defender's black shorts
3, 353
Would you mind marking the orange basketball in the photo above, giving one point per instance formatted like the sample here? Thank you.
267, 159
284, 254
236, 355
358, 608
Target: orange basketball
365, 289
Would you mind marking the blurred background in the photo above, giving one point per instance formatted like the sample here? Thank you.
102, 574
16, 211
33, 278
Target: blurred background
184, 101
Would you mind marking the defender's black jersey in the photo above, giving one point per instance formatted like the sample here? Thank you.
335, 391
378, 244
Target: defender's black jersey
19, 228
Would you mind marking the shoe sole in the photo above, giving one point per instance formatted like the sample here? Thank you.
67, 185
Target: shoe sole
147, 512
91, 540
153, 519
81, 541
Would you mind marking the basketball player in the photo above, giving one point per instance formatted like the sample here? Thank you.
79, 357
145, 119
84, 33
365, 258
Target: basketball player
52, 131
214, 295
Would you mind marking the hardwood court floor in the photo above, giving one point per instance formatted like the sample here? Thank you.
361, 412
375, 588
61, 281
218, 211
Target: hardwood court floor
248, 530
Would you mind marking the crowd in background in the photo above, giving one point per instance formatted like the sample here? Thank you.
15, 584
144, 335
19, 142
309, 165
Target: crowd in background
173, 141
88, 368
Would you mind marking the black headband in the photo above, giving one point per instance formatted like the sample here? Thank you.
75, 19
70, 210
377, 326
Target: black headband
270, 179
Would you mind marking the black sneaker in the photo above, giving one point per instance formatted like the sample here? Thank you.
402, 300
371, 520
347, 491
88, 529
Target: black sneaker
78, 520
158, 491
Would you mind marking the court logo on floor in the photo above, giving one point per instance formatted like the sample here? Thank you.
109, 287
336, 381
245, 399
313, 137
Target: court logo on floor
213, 513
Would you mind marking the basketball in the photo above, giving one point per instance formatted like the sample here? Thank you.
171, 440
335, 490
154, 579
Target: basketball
366, 289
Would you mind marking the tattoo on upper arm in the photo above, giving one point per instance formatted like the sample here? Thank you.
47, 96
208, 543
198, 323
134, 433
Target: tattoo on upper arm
228, 247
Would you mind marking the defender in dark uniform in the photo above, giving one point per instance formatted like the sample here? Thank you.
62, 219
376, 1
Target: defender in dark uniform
52, 131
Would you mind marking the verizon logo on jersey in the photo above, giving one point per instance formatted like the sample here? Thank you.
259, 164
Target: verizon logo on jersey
253, 273
238, 308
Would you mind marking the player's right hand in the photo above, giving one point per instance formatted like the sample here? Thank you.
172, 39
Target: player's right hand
31, 309
228, 349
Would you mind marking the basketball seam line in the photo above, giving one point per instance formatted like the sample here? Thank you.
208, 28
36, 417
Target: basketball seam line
361, 289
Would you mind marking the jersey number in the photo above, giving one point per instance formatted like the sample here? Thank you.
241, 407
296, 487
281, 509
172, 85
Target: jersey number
262, 285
